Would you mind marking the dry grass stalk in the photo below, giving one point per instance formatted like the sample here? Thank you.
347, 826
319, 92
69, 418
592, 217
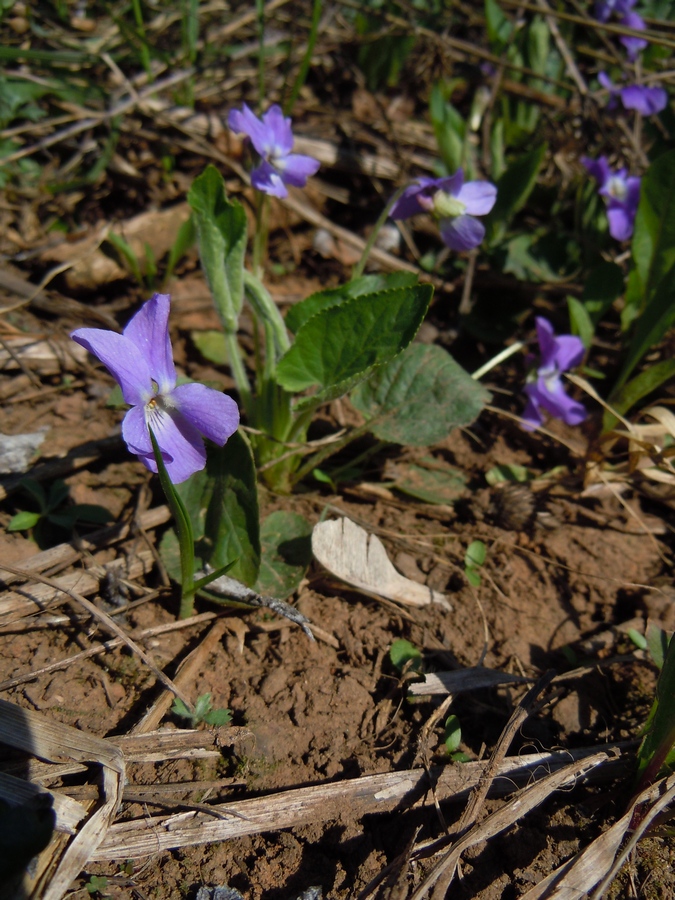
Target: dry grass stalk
36, 735
366, 795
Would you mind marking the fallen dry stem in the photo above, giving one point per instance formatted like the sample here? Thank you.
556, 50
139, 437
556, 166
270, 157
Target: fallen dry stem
107, 623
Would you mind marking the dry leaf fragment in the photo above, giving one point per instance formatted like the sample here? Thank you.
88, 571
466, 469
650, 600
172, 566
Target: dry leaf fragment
359, 558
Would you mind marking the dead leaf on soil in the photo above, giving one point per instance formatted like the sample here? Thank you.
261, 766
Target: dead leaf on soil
92, 267
359, 558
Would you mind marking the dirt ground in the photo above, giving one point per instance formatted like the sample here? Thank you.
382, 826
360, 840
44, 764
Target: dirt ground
570, 567
556, 592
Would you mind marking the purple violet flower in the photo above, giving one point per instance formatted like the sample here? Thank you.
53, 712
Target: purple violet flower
603, 9
545, 388
621, 195
272, 139
453, 204
181, 415
644, 99
632, 44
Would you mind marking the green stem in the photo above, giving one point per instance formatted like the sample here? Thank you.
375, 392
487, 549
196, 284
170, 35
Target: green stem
261, 236
370, 243
145, 53
329, 450
307, 58
186, 541
238, 370
267, 311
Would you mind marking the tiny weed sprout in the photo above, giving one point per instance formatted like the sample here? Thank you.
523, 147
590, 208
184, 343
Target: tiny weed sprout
203, 712
56, 518
97, 886
406, 657
545, 388
474, 559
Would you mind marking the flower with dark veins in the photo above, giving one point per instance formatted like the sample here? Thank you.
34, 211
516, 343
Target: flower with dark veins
545, 388
620, 192
272, 139
453, 203
180, 415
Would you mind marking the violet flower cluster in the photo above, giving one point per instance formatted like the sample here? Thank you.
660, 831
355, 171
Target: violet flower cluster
624, 10
620, 192
453, 203
272, 139
545, 388
180, 415
641, 97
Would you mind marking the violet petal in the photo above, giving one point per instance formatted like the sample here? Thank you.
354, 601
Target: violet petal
279, 136
148, 330
296, 168
121, 357
266, 178
478, 197
213, 414
462, 232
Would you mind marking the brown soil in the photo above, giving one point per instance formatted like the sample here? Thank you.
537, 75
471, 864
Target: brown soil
314, 712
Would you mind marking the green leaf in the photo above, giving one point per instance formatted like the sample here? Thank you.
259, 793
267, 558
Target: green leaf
580, 321
222, 503
402, 652
431, 481
652, 281
420, 397
180, 709
340, 345
453, 734
90, 512
359, 287
603, 286
58, 494
218, 717
185, 238
472, 576
513, 189
499, 27
221, 235
475, 554
22, 521
657, 642
449, 128
654, 322
36, 491
506, 472
212, 345
640, 386
656, 751
286, 553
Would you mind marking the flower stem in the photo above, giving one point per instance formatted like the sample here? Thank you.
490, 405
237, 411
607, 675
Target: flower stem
238, 370
186, 541
307, 58
261, 234
370, 243
496, 360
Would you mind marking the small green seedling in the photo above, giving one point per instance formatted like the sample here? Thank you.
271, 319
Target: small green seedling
452, 739
55, 520
203, 712
656, 755
405, 657
96, 887
473, 560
